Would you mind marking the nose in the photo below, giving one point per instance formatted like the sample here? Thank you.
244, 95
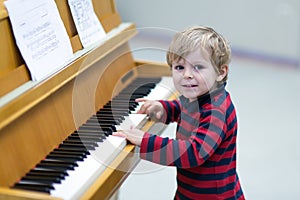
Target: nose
188, 74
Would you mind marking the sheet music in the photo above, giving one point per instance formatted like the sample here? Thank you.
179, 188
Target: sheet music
40, 35
88, 26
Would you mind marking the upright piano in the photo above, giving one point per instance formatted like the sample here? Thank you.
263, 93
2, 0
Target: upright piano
49, 129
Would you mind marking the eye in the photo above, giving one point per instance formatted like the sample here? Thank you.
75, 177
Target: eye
198, 67
179, 67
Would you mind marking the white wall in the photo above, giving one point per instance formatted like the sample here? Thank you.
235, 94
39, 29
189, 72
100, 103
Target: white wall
266, 27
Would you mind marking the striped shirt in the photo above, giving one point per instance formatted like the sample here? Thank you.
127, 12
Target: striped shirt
204, 151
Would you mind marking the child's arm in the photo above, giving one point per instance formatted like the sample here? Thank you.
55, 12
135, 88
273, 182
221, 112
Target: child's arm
186, 153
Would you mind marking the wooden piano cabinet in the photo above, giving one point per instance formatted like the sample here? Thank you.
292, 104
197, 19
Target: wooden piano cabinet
35, 117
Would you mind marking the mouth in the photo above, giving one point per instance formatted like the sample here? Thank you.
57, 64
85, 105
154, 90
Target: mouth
189, 86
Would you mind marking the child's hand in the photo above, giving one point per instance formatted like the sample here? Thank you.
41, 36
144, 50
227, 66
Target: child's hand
153, 109
134, 135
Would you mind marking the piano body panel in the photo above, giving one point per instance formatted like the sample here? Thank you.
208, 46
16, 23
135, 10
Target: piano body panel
10, 56
9, 194
10, 80
152, 68
38, 119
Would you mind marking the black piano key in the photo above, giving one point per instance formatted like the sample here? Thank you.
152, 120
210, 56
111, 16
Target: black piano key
81, 141
73, 158
89, 133
137, 92
108, 116
65, 151
72, 149
60, 176
96, 131
77, 147
102, 127
103, 124
118, 106
97, 120
114, 109
103, 120
116, 100
120, 111
112, 114
86, 138
34, 185
59, 162
55, 166
98, 124
123, 103
59, 173
41, 179
49, 171
36, 188
90, 143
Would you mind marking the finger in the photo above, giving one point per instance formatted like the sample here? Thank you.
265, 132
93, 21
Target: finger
140, 100
158, 115
143, 109
119, 134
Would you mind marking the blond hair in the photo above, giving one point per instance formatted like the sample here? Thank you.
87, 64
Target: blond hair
199, 37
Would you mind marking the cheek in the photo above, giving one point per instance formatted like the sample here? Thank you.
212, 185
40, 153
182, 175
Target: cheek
176, 80
211, 79
176, 76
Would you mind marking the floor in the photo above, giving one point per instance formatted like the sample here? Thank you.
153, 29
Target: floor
266, 96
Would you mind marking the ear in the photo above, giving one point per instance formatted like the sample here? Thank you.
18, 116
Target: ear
222, 73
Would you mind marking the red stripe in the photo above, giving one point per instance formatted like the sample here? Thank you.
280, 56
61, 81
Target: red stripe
183, 154
157, 149
218, 169
192, 195
226, 154
144, 145
207, 184
170, 154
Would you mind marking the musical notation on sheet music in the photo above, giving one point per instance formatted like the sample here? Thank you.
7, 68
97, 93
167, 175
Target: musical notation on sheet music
89, 28
40, 35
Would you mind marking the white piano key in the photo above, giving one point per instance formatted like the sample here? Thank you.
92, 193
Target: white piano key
131, 120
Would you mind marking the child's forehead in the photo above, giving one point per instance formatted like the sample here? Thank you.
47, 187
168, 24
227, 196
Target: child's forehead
196, 56
198, 53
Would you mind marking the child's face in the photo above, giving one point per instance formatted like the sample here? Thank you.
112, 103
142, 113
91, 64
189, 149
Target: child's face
194, 75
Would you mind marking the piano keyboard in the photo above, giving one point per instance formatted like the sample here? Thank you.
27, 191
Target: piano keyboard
69, 170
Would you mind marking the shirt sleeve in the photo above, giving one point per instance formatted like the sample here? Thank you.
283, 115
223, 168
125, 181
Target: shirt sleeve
172, 110
192, 152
